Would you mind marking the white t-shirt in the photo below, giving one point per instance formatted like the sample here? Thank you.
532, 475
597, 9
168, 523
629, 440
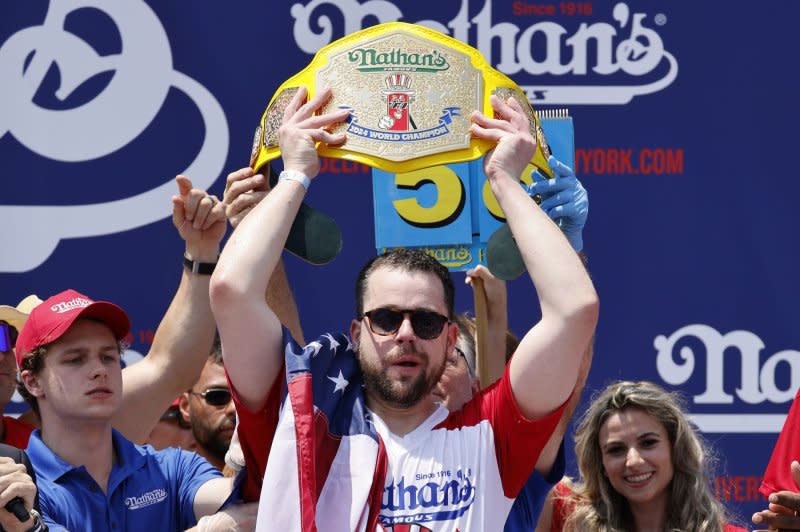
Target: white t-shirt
461, 471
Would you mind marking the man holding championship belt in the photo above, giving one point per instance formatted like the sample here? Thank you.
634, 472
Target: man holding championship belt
345, 430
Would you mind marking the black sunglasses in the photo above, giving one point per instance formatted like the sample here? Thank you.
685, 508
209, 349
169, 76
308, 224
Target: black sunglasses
215, 396
427, 324
8, 337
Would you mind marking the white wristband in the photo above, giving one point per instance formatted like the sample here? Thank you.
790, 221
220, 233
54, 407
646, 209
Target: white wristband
294, 175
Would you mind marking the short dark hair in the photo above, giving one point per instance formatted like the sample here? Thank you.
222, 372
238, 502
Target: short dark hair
34, 363
411, 260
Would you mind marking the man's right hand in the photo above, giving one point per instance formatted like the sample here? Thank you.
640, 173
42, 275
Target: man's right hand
15, 482
302, 129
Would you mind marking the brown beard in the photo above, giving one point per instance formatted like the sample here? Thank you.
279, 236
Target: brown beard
378, 383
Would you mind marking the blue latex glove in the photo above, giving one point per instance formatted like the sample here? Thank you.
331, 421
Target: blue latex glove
564, 200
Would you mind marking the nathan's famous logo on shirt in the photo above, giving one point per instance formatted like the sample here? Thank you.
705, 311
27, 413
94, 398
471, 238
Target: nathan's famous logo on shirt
622, 43
438, 496
146, 499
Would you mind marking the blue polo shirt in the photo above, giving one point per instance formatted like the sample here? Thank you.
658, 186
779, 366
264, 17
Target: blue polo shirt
148, 490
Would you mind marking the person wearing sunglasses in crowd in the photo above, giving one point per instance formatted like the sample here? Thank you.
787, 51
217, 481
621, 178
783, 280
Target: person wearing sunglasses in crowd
347, 456
208, 409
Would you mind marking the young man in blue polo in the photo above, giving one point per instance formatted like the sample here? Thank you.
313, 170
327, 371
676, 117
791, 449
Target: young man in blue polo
92, 478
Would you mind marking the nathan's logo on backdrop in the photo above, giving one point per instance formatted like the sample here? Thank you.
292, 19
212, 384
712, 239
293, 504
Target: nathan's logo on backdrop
602, 62
123, 109
736, 350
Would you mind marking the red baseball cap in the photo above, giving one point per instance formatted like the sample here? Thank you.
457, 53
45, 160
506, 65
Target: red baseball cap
52, 318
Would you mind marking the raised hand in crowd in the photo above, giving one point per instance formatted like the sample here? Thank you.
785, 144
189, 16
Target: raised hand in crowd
184, 337
243, 190
564, 200
784, 507
200, 220
496, 319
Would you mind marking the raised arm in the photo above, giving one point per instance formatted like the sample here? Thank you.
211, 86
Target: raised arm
496, 321
249, 329
544, 369
183, 339
243, 191
566, 202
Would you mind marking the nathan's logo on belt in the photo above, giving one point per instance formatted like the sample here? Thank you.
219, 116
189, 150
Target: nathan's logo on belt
146, 499
374, 60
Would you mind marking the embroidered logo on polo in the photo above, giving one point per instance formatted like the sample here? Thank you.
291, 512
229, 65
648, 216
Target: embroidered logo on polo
146, 499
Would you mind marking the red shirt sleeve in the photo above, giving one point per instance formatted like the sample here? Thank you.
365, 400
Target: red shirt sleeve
256, 431
518, 441
562, 507
778, 475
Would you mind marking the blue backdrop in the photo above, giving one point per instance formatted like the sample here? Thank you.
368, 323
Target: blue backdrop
683, 114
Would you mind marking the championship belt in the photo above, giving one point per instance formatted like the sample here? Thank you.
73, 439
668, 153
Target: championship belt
410, 91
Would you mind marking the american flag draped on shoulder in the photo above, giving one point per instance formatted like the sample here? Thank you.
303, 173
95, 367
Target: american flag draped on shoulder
327, 464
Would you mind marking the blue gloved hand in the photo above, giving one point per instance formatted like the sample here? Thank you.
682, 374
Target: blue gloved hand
564, 200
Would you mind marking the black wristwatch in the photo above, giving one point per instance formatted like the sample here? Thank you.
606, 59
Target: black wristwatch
203, 268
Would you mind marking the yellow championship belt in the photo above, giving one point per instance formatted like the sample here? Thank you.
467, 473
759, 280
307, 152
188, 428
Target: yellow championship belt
410, 90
